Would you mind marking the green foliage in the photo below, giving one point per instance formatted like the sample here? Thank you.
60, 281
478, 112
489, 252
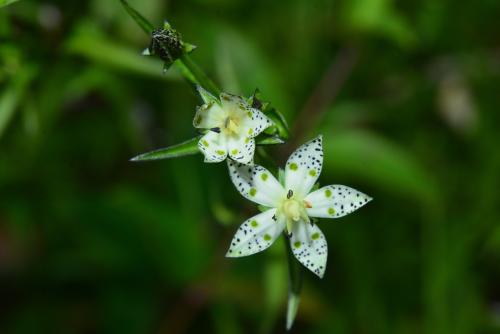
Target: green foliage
4, 3
372, 159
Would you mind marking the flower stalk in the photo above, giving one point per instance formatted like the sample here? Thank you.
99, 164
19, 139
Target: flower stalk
295, 273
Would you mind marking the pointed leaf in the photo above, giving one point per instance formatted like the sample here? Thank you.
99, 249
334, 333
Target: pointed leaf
188, 147
279, 122
188, 47
269, 140
138, 18
281, 176
291, 309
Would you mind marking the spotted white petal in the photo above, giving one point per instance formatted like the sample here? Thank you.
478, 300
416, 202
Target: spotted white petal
256, 234
208, 116
256, 183
230, 101
309, 247
241, 149
335, 201
256, 122
213, 147
304, 166
205, 95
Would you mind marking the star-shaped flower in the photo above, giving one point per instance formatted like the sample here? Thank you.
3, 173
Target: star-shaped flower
291, 206
232, 123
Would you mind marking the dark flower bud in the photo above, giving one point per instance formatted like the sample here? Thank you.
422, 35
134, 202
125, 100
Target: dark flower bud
167, 44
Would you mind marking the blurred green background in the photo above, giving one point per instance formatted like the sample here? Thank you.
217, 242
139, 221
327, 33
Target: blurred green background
406, 94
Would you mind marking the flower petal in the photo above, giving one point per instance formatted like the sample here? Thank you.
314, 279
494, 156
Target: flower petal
255, 234
304, 166
256, 183
309, 247
213, 147
241, 149
335, 201
208, 116
232, 101
256, 122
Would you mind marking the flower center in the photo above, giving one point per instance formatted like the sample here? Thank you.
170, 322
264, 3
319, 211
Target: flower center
231, 126
294, 210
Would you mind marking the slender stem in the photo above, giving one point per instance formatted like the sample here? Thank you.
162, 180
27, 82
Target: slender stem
194, 74
294, 286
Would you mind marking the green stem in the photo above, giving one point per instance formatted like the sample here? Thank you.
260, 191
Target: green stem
294, 288
194, 74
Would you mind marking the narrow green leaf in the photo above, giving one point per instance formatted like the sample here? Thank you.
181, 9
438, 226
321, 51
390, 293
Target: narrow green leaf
291, 309
269, 140
279, 122
206, 96
147, 26
6, 2
281, 176
188, 147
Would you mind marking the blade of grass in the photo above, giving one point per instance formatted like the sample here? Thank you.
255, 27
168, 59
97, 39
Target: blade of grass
189, 147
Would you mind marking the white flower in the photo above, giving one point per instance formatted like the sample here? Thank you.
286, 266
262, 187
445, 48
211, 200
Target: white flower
233, 125
291, 206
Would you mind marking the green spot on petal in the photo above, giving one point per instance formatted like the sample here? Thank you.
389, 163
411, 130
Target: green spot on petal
254, 223
249, 114
252, 191
250, 131
205, 143
267, 237
247, 140
234, 152
315, 236
312, 172
293, 166
331, 211
220, 152
328, 193
297, 244
264, 176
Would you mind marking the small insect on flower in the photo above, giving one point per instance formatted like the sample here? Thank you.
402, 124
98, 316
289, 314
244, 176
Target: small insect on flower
292, 204
232, 125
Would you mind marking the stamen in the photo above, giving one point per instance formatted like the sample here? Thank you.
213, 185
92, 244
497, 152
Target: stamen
290, 194
216, 130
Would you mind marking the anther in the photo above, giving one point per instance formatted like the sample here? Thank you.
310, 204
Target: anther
216, 130
290, 194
